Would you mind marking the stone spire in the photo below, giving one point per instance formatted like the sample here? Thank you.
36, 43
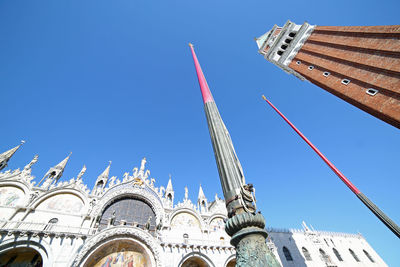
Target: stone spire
55, 173
101, 181
202, 201
201, 195
169, 185
244, 225
169, 192
6, 156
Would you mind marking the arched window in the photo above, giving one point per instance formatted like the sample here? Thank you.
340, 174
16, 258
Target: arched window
50, 224
354, 255
185, 238
337, 254
287, 254
306, 254
368, 256
325, 257
130, 211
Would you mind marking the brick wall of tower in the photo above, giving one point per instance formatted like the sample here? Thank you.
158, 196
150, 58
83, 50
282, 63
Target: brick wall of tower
367, 56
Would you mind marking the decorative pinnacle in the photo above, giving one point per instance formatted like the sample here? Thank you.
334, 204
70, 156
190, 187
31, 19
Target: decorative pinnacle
63, 163
190, 44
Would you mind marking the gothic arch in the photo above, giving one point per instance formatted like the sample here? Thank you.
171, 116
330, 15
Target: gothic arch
119, 234
194, 255
43, 248
130, 191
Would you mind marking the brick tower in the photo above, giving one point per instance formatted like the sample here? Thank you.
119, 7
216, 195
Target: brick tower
359, 64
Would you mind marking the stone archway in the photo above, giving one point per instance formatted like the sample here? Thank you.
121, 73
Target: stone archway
22, 256
231, 263
120, 253
195, 262
30, 248
196, 259
119, 244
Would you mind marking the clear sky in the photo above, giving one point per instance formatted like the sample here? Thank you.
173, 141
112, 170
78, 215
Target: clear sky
114, 80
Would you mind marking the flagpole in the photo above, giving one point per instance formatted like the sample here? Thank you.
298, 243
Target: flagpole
370, 205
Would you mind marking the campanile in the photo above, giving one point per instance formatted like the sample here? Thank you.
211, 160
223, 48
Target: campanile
359, 64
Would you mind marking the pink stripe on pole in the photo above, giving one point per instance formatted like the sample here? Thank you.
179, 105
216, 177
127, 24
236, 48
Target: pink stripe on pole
205, 91
334, 169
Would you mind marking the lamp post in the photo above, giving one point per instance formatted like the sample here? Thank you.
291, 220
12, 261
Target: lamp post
245, 225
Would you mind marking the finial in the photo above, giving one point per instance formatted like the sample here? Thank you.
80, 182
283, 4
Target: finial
190, 44
186, 193
142, 164
81, 173
23, 142
263, 96
109, 162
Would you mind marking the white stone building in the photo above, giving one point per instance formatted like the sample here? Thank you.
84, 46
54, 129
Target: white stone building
131, 222
312, 248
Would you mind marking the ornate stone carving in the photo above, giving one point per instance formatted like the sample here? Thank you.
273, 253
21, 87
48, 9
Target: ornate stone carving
33, 196
115, 233
28, 168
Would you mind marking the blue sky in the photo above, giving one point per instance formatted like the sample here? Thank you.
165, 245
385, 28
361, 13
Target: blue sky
114, 80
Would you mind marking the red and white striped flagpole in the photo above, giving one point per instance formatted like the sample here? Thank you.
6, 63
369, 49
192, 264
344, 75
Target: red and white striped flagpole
382, 216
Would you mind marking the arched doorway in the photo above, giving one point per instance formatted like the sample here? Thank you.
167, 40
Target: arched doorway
120, 253
231, 263
21, 257
195, 261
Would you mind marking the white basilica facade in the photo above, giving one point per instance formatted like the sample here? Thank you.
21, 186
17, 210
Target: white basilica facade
132, 222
